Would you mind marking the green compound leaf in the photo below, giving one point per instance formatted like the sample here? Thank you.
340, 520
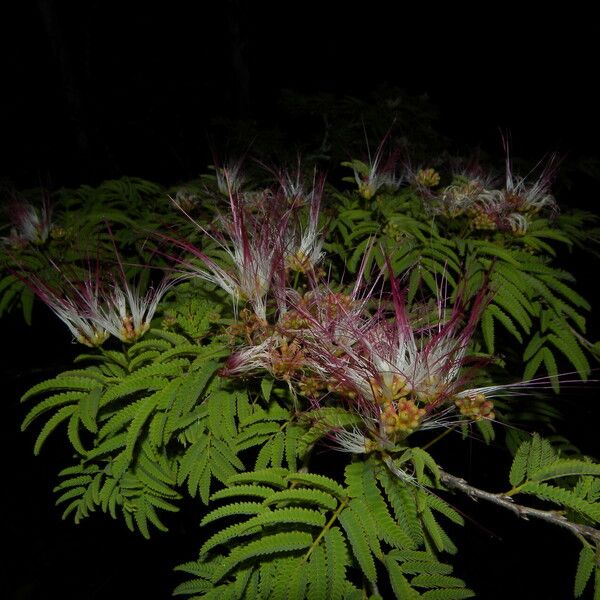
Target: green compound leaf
358, 538
565, 468
585, 566
563, 497
448, 594
337, 559
317, 575
319, 481
61, 383
303, 496
400, 585
269, 544
274, 477
61, 415
235, 509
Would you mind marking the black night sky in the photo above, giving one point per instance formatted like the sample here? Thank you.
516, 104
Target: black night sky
97, 90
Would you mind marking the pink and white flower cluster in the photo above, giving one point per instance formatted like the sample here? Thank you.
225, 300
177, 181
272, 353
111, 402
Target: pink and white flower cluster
400, 372
99, 304
29, 225
509, 207
262, 238
399, 375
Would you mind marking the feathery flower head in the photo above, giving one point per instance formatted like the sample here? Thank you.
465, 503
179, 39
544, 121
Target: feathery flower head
255, 248
512, 207
230, 176
252, 240
528, 196
280, 348
126, 312
293, 185
378, 173
304, 243
30, 225
279, 355
354, 441
398, 374
75, 302
323, 315
459, 197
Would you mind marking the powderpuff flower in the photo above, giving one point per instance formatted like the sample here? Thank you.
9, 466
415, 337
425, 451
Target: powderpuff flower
459, 197
253, 241
295, 186
260, 240
323, 315
98, 305
280, 348
518, 223
280, 356
76, 304
303, 247
292, 186
230, 177
30, 225
530, 196
397, 375
126, 312
353, 441
378, 173
512, 207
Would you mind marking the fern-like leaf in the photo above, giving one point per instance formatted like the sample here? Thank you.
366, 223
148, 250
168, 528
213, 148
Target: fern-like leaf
563, 497
319, 481
585, 566
357, 536
303, 496
267, 545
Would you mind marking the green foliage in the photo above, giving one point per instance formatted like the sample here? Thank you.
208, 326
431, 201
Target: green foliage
585, 567
575, 487
156, 420
324, 534
537, 461
190, 314
138, 420
533, 301
137, 493
78, 233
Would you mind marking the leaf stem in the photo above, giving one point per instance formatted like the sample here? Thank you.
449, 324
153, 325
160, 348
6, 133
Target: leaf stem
325, 529
438, 438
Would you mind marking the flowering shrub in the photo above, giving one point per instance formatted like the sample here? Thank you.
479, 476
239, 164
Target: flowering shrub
284, 324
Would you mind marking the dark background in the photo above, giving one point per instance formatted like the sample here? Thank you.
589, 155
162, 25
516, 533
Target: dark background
96, 90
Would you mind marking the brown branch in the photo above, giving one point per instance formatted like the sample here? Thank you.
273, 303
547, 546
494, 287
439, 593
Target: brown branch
525, 512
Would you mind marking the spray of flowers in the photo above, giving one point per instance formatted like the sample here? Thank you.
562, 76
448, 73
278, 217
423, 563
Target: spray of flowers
94, 303
489, 206
29, 225
399, 376
400, 370
76, 302
261, 237
379, 172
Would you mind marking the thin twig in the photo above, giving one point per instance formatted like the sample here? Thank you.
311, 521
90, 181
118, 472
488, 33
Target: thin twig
438, 438
525, 512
